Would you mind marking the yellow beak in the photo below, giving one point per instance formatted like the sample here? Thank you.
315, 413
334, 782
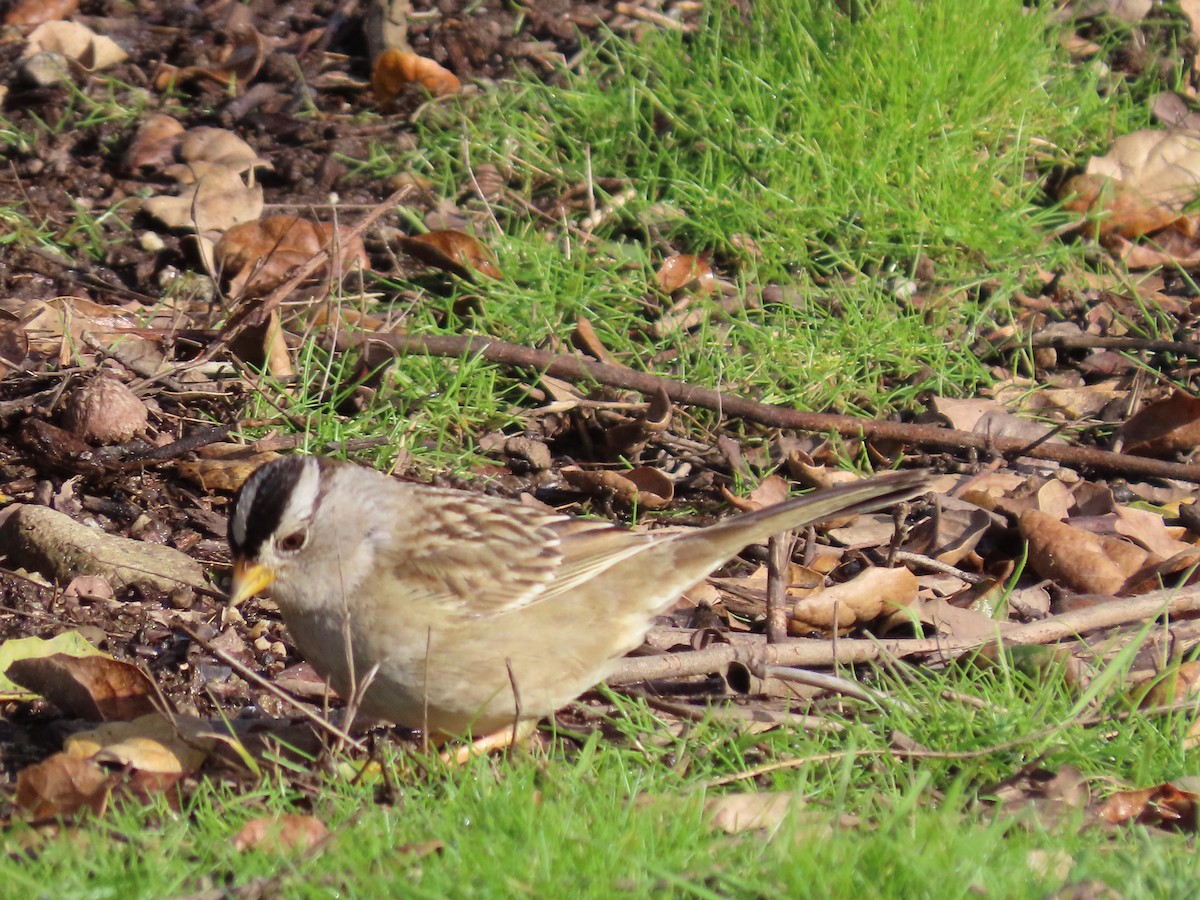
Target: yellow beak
248, 579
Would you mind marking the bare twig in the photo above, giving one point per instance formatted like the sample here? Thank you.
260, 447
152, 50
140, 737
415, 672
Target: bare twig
928, 436
817, 653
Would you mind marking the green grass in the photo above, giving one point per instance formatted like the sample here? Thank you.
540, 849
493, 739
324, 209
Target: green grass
826, 166
604, 816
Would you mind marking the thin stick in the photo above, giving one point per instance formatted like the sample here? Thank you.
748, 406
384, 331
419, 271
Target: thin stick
818, 653
930, 436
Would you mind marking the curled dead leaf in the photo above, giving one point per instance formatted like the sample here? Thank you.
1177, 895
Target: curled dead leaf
165, 745
155, 143
645, 487
260, 255
452, 251
1175, 684
1163, 427
1069, 556
62, 786
281, 834
770, 490
76, 42
224, 466
1163, 804
35, 12
872, 593
95, 688
685, 272
394, 69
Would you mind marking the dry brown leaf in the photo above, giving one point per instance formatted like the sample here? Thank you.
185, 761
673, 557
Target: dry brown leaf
282, 834
870, 594
219, 147
1163, 804
1114, 209
452, 251
804, 469
951, 535
1177, 683
96, 688
1164, 427
738, 813
62, 786
394, 69
1167, 247
224, 466
76, 42
770, 491
953, 621
35, 12
216, 202
155, 144
685, 272
645, 487
70, 642
1163, 165
103, 410
1071, 557
14, 343
167, 745
60, 324
258, 256
1149, 530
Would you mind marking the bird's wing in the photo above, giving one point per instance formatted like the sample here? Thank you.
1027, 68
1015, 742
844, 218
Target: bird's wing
482, 556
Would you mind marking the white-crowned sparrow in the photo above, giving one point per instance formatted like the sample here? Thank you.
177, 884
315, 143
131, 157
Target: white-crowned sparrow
467, 613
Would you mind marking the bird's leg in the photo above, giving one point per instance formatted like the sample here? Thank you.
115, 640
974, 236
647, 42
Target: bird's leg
497, 740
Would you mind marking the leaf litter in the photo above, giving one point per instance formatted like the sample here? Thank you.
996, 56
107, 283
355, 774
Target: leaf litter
943, 572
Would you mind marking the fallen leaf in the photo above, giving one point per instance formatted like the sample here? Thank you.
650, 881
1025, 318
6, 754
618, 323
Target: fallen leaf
1163, 804
1071, 557
1163, 427
168, 745
155, 144
281, 834
216, 202
685, 272
770, 491
738, 813
62, 786
69, 642
645, 487
96, 688
224, 466
1165, 688
394, 69
218, 147
35, 12
76, 42
453, 251
260, 255
864, 598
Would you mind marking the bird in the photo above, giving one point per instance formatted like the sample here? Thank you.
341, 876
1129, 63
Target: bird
459, 614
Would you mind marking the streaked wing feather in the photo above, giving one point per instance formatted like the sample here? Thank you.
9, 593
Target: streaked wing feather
477, 555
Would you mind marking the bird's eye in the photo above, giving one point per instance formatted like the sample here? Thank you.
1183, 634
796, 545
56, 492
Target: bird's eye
290, 543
